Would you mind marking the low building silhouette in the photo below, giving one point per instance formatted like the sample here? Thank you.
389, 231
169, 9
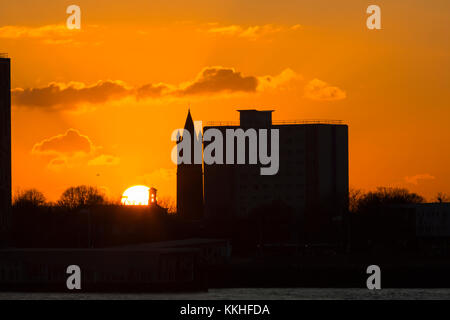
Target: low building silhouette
404, 228
115, 269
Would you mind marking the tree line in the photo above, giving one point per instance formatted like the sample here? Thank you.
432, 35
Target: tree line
365, 202
77, 197
84, 196
72, 198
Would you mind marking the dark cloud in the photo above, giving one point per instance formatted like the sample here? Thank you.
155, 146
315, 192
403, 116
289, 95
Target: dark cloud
217, 79
57, 95
68, 143
321, 91
151, 91
72, 149
57, 162
104, 160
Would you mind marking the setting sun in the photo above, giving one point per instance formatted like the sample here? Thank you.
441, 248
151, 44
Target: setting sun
136, 196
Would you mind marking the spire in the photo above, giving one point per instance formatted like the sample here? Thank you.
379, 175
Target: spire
189, 125
188, 119
190, 178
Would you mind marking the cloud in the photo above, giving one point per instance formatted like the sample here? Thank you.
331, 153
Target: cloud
57, 164
15, 32
152, 91
282, 80
63, 42
415, 179
251, 32
68, 143
210, 81
72, 149
104, 160
321, 91
218, 79
57, 95
55, 34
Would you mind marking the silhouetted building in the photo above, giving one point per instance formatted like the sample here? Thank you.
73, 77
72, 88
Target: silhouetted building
212, 251
152, 198
5, 148
190, 179
135, 268
400, 228
312, 177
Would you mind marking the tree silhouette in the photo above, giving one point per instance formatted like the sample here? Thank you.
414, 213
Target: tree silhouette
354, 196
378, 220
383, 196
29, 198
81, 196
442, 197
168, 203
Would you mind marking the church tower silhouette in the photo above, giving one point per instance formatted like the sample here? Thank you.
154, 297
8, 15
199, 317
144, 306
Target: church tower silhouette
190, 178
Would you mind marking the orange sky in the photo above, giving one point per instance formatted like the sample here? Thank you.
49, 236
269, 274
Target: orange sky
97, 106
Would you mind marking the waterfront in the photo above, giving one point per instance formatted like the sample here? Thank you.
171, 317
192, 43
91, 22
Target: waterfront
248, 294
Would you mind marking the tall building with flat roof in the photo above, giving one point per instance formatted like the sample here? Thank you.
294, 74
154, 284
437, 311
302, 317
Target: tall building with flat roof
312, 178
5, 148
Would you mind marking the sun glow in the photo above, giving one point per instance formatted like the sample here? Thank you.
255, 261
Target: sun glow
136, 196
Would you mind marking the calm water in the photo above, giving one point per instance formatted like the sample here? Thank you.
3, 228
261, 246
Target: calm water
251, 294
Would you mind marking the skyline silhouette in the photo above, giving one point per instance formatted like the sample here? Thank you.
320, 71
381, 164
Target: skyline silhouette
335, 68
313, 145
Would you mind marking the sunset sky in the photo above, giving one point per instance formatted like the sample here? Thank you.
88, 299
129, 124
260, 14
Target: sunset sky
98, 105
